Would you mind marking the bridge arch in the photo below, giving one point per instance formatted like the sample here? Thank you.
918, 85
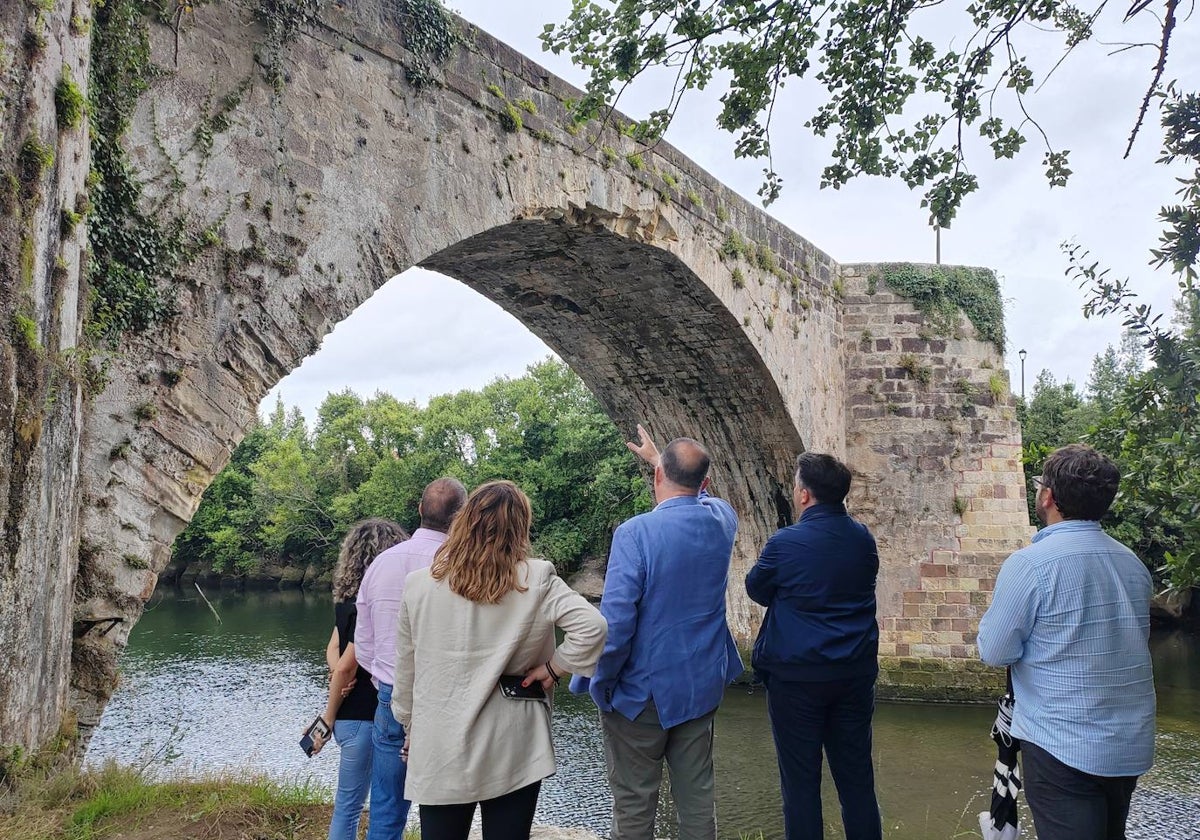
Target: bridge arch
676, 301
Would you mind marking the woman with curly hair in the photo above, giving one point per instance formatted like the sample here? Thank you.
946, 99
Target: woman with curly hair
485, 611
352, 699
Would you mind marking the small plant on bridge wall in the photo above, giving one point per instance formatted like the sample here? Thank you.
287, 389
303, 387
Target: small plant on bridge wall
69, 101
510, 118
284, 20
635, 161
916, 370
997, 387
34, 159
431, 36
733, 246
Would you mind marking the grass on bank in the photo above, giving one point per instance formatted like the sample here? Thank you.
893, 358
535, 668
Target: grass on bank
95, 804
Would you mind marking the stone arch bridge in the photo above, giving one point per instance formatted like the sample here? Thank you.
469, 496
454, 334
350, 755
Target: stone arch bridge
678, 303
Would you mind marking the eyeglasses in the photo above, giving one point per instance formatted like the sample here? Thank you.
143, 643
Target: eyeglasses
1038, 483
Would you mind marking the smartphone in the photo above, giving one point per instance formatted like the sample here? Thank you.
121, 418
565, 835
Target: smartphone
318, 728
510, 686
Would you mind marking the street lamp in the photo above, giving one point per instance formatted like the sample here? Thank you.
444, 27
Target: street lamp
1022, 354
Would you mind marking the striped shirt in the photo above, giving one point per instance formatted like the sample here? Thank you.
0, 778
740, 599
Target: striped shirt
1071, 615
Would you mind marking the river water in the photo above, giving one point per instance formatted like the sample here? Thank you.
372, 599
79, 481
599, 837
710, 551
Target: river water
198, 696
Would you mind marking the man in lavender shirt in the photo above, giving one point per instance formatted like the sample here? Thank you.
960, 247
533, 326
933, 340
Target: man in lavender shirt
378, 602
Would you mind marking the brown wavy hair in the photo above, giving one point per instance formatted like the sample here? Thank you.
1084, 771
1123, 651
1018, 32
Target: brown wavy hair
364, 542
488, 540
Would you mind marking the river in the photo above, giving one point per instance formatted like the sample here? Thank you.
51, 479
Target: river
198, 696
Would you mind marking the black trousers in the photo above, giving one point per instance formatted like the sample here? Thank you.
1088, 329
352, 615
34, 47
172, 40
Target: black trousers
833, 717
508, 817
1068, 804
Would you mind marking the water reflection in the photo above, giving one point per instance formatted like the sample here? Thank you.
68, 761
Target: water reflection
201, 696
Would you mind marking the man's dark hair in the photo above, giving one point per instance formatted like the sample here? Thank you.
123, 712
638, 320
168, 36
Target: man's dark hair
1084, 482
685, 462
824, 476
440, 500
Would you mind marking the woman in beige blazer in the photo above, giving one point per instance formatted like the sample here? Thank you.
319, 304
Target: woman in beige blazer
484, 609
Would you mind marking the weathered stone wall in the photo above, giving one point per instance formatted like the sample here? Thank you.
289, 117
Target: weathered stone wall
935, 446
44, 166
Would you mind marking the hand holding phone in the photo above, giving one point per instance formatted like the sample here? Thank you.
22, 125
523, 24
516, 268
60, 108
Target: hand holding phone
512, 688
315, 737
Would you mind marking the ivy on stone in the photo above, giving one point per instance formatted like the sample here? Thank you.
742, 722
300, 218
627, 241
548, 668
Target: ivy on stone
135, 255
941, 293
430, 35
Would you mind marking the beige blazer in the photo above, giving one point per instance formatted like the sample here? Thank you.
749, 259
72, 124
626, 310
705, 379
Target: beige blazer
467, 742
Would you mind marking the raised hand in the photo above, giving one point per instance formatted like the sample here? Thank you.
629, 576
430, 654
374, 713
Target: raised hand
646, 450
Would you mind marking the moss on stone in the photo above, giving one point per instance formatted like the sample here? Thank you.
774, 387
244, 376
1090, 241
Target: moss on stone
69, 101
510, 118
25, 331
34, 159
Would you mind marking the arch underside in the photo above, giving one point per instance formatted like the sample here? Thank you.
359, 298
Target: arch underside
654, 344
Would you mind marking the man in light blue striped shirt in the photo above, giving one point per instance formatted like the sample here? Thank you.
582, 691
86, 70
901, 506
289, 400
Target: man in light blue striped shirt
1071, 615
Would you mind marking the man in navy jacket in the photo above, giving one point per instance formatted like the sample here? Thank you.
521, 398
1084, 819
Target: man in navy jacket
817, 651
669, 654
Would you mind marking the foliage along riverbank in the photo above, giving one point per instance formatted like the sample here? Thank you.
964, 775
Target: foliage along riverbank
122, 802
1141, 407
279, 510
71, 804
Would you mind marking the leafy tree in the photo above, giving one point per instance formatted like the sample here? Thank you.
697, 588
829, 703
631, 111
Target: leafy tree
1055, 416
1111, 372
1153, 430
895, 103
290, 495
225, 530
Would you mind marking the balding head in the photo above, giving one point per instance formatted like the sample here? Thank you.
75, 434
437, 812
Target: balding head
685, 464
440, 500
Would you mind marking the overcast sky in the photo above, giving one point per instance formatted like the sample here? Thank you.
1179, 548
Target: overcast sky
453, 338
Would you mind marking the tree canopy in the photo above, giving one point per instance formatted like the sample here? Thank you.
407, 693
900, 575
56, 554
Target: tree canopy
896, 99
290, 493
1147, 418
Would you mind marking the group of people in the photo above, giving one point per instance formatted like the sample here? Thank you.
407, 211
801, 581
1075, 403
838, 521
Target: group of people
443, 658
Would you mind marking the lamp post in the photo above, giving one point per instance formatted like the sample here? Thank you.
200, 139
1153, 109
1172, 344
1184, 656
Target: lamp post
1022, 354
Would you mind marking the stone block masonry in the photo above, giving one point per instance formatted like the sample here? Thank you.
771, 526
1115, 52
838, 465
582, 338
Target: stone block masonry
936, 450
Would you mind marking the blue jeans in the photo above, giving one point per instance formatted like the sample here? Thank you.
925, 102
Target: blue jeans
389, 808
833, 716
354, 776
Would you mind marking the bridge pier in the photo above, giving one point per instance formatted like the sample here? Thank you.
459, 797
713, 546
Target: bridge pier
934, 442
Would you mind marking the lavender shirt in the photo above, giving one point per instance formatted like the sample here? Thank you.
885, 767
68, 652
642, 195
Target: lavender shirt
379, 598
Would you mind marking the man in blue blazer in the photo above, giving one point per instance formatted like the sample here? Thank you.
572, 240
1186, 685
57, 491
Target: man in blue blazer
818, 651
669, 654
